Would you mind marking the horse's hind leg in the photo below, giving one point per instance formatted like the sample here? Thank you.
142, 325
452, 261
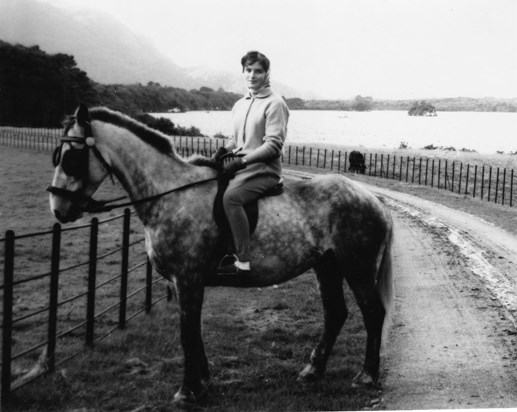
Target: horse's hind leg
368, 299
335, 314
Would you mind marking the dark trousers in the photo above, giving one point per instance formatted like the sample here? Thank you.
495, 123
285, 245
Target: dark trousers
238, 193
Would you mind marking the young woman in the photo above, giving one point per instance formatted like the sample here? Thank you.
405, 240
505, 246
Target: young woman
260, 127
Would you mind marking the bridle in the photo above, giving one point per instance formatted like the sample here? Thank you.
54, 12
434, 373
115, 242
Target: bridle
75, 163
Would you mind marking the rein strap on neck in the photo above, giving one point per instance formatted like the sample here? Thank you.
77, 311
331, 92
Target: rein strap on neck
98, 206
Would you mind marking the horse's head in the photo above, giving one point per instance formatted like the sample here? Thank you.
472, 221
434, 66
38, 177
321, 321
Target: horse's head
79, 169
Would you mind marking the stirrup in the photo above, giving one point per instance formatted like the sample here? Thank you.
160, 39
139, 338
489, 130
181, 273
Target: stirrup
227, 266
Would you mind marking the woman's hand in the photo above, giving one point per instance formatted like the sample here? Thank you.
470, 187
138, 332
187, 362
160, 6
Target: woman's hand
232, 165
218, 154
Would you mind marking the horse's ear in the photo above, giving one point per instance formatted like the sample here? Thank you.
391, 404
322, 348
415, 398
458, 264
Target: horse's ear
82, 114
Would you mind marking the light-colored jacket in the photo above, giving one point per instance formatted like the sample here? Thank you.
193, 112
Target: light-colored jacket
260, 129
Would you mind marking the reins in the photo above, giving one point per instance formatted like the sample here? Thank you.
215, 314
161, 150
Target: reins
98, 206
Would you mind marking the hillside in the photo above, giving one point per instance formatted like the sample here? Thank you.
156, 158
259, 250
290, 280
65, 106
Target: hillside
96, 40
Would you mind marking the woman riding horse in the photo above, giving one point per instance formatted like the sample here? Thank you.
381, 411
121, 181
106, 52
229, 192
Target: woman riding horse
329, 223
260, 127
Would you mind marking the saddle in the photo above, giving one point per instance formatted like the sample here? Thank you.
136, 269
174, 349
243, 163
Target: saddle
251, 209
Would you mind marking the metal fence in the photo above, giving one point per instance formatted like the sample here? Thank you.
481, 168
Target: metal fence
48, 317
485, 182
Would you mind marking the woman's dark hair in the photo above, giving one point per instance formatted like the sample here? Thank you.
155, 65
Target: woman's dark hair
255, 56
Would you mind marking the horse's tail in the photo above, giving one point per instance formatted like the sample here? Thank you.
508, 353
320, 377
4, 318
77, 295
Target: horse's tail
385, 286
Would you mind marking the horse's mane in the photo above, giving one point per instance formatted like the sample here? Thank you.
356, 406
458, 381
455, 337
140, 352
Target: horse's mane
199, 160
152, 137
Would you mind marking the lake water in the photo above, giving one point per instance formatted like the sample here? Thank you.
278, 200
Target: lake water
480, 131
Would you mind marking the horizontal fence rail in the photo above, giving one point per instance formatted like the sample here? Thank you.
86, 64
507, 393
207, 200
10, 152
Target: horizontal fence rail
53, 329
64, 312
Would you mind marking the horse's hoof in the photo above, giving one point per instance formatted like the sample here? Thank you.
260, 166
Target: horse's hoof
185, 397
188, 396
309, 374
363, 380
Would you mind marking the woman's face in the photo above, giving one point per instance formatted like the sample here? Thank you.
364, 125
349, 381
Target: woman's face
255, 76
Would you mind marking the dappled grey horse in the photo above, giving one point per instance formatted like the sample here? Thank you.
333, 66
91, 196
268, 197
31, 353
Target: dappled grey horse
328, 223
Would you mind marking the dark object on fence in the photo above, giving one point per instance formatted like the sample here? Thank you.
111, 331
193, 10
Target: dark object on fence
357, 164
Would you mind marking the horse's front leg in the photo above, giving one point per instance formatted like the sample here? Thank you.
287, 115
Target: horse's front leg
196, 374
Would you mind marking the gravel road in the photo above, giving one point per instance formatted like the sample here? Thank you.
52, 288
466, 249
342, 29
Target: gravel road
453, 339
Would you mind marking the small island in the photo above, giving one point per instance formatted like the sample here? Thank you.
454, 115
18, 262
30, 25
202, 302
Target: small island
422, 108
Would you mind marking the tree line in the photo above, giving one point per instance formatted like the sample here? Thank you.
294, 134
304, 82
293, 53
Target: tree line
39, 89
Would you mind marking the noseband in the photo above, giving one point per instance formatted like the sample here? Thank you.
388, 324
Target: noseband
74, 163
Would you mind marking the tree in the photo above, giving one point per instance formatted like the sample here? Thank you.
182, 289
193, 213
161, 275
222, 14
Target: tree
362, 104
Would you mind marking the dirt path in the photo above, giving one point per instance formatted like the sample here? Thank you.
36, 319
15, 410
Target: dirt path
453, 340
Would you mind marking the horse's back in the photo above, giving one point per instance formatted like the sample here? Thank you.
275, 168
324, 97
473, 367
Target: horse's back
334, 212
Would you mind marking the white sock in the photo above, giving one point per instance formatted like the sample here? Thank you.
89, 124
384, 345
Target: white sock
242, 265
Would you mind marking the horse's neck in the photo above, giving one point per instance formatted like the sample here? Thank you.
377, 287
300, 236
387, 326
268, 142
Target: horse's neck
141, 169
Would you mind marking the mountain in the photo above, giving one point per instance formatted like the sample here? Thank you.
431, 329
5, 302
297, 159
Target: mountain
105, 48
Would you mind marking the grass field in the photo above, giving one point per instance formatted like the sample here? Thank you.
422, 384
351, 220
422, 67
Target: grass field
257, 340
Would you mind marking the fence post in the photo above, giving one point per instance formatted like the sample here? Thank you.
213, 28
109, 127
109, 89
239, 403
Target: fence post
511, 188
445, 175
432, 173
54, 283
459, 180
149, 286
452, 178
496, 186
339, 161
426, 169
467, 180
489, 182
124, 270
370, 166
482, 180
7, 331
419, 171
92, 279
325, 159
439, 171
504, 184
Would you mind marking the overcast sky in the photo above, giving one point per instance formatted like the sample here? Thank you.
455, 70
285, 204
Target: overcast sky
340, 48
